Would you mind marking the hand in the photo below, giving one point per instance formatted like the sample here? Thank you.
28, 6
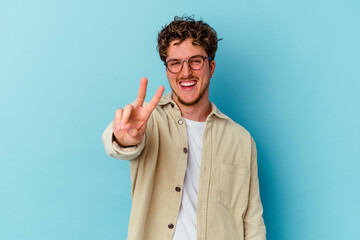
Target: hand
130, 122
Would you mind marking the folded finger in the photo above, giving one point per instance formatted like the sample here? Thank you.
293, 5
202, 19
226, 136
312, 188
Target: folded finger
117, 118
125, 115
133, 132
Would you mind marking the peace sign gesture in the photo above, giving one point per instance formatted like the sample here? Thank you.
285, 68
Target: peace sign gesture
130, 122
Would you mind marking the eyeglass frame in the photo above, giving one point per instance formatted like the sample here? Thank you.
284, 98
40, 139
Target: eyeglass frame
187, 60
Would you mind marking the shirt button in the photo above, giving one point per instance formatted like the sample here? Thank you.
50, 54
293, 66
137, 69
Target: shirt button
171, 226
185, 150
172, 105
180, 122
178, 189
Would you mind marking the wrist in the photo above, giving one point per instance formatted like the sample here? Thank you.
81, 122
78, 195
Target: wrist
122, 144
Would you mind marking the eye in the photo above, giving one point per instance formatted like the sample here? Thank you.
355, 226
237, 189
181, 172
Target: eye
174, 63
196, 60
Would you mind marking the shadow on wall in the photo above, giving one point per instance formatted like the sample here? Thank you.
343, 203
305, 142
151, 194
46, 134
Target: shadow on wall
237, 90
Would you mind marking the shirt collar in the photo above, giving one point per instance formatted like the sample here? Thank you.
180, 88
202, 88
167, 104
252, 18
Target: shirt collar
167, 99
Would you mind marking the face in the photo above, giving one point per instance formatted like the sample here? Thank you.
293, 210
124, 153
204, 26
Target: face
189, 86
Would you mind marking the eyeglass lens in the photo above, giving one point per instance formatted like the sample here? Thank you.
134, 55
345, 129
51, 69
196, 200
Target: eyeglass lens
195, 63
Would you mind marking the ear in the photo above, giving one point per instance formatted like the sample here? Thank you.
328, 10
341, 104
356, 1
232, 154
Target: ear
212, 68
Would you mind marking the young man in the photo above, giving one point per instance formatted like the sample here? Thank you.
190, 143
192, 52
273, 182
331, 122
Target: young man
193, 170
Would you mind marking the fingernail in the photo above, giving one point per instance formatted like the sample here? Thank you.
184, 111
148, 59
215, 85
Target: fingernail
122, 125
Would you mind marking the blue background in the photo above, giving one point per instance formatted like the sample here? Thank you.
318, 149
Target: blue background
288, 71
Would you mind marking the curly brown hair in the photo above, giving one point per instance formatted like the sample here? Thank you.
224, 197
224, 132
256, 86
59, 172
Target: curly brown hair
187, 27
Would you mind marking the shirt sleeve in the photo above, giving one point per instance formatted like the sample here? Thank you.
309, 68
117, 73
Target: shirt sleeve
254, 226
113, 149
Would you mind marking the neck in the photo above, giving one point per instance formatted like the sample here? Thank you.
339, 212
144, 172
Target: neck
197, 112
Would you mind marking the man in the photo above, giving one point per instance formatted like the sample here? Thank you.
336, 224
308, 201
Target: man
193, 170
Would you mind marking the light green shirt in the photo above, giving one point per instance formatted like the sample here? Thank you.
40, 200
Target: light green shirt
229, 205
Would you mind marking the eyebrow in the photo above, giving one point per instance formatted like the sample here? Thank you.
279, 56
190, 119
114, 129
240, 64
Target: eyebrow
183, 59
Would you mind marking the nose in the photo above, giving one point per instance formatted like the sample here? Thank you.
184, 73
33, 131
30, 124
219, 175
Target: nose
186, 70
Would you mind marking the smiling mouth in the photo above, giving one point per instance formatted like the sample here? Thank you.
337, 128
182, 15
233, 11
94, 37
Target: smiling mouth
187, 84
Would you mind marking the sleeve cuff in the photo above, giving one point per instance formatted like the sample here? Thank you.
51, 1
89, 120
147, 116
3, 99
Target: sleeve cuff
128, 153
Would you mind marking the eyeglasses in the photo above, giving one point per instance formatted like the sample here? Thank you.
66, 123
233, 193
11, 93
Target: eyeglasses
195, 63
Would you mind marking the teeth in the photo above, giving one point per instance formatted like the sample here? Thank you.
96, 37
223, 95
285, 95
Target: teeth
187, 84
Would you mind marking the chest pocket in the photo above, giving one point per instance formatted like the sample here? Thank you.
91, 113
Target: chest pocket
233, 191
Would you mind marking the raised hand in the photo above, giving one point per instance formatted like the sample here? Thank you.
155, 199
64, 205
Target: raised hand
130, 122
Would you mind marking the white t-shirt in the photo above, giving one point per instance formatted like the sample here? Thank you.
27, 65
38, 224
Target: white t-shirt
186, 223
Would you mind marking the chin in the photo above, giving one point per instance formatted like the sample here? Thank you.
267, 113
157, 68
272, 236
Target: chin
188, 103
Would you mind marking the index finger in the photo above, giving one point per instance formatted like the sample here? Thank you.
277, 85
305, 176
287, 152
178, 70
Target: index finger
142, 92
155, 100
